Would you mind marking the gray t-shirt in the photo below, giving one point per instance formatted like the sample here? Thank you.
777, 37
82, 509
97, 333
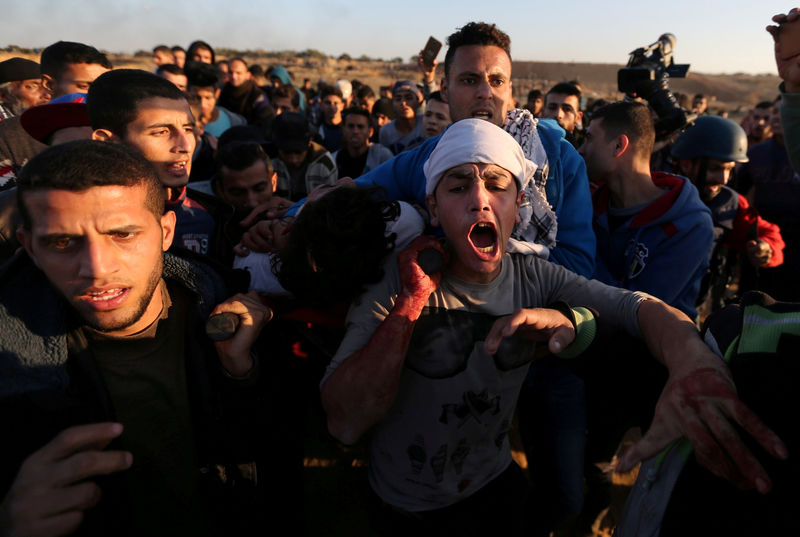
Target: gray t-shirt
446, 436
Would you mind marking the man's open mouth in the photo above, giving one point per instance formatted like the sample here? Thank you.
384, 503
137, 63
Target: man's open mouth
483, 237
100, 299
177, 169
482, 114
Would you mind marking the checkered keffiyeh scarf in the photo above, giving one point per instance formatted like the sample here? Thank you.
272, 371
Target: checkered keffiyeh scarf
536, 231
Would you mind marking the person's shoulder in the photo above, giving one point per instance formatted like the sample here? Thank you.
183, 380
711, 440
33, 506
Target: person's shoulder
321, 156
200, 275
555, 142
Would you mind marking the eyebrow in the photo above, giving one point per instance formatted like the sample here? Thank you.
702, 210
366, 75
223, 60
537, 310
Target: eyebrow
156, 125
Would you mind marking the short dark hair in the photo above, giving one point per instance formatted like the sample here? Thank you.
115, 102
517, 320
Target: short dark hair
162, 48
241, 155
200, 45
330, 90
632, 119
566, 88
176, 48
534, 94
170, 68
475, 33
56, 57
237, 59
436, 96
344, 235
765, 104
287, 91
201, 75
82, 164
364, 92
114, 98
358, 111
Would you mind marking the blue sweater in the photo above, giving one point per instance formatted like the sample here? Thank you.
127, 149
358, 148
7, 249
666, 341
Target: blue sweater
567, 191
663, 250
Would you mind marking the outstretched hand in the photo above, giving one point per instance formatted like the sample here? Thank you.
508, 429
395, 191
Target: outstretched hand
701, 404
536, 324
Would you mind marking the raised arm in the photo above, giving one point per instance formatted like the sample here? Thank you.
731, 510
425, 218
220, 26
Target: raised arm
362, 389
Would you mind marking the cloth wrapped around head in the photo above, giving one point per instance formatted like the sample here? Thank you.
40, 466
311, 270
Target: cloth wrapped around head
477, 141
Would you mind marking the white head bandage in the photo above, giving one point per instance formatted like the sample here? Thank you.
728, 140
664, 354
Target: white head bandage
476, 141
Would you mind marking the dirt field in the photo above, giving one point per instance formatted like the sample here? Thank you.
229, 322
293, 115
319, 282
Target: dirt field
735, 93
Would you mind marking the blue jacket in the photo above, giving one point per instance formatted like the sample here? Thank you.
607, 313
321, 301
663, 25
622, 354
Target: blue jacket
663, 250
567, 191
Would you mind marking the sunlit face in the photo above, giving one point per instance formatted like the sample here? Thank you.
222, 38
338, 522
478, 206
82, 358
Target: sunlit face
164, 132
208, 100
479, 84
246, 189
239, 73
179, 80
538, 104
759, 128
563, 108
700, 104
202, 55
435, 119
101, 248
405, 103
332, 106
30, 92
180, 58
476, 205
75, 78
356, 131
163, 58
598, 151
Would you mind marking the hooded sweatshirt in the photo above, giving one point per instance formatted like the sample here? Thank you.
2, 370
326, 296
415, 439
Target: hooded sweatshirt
662, 249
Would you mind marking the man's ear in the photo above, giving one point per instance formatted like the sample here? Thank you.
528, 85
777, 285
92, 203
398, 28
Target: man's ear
216, 94
274, 181
167, 230
430, 199
520, 197
48, 84
104, 135
621, 144
443, 90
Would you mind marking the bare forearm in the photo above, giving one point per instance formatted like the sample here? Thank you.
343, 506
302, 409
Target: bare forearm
672, 337
363, 388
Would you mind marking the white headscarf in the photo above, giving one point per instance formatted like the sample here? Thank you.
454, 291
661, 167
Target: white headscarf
477, 141
480, 141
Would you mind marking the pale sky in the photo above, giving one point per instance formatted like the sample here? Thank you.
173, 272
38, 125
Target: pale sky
713, 36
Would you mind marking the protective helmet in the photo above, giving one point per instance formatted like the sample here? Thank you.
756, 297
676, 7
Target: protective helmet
712, 137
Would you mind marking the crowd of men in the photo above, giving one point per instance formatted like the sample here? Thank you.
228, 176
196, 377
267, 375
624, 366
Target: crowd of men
137, 205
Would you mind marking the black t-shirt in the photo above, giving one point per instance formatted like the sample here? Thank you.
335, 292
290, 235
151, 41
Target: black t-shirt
350, 166
145, 375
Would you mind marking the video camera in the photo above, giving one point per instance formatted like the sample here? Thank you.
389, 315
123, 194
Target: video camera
646, 76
